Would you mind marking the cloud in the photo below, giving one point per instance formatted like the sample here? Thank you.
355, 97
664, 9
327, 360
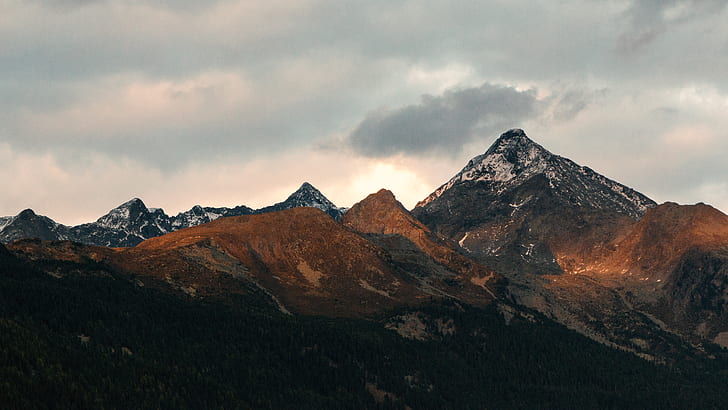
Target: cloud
443, 123
650, 19
448, 122
79, 193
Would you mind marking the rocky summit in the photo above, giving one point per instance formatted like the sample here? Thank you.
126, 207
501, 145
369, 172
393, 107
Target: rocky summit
306, 196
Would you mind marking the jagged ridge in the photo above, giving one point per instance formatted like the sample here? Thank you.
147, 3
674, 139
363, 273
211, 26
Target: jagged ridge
132, 222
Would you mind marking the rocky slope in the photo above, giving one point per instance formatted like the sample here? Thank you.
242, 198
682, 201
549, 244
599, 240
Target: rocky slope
301, 258
416, 249
674, 264
308, 261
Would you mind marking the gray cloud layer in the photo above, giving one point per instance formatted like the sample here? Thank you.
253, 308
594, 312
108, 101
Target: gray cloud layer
446, 123
443, 123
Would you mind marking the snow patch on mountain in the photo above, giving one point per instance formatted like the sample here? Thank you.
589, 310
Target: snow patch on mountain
306, 196
4, 221
120, 217
514, 159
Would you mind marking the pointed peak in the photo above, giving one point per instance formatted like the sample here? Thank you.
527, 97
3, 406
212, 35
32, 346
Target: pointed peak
26, 214
124, 212
514, 133
383, 195
516, 141
381, 213
308, 192
132, 202
512, 156
379, 199
305, 196
307, 187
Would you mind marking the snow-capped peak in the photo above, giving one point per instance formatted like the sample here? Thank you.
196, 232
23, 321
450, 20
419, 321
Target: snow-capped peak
120, 216
514, 158
26, 214
308, 195
511, 156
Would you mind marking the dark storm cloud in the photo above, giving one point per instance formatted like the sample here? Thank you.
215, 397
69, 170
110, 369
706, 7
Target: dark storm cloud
445, 122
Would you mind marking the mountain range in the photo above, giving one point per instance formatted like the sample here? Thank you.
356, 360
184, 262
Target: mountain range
132, 222
519, 230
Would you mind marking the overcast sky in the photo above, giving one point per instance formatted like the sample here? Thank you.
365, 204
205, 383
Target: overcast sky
224, 103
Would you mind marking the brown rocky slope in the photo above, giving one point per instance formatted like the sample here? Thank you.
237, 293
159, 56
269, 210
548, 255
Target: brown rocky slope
438, 263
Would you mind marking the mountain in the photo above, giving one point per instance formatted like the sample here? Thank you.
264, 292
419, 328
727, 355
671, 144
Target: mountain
379, 307
519, 205
517, 226
306, 196
514, 159
674, 262
132, 222
637, 273
28, 224
126, 225
413, 247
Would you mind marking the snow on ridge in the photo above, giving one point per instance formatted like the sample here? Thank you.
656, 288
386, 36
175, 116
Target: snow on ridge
514, 158
511, 159
4, 221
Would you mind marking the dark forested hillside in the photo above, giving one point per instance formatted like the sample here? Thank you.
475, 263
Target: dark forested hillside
92, 338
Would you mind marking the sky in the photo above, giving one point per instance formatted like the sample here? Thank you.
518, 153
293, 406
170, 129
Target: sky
224, 103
